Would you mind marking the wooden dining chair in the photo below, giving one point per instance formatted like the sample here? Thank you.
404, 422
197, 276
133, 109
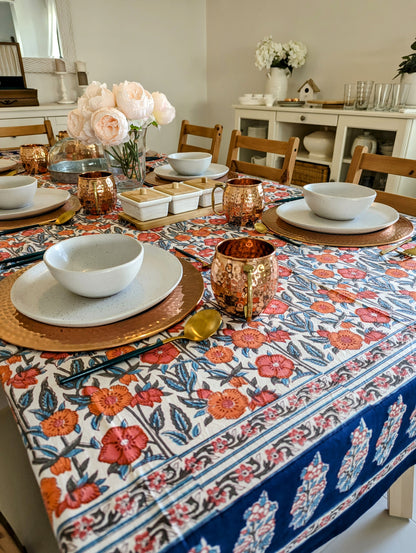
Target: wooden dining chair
212, 133
361, 160
287, 149
29, 130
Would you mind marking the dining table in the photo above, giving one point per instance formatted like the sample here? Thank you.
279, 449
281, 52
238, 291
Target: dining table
272, 435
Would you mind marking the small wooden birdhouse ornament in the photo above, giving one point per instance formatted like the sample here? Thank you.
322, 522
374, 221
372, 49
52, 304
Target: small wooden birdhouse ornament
308, 90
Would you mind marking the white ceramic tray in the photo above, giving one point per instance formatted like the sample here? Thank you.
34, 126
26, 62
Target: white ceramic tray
39, 296
46, 199
377, 217
214, 171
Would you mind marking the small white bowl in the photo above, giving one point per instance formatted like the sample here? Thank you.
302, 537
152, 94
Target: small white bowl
341, 201
95, 265
17, 191
190, 163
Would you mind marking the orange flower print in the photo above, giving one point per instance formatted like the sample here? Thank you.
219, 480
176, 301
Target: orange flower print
50, 495
238, 381
15, 359
370, 315
63, 464
219, 354
323, 307
60, 423
345, 339
5, 373
127, 378
110, 401
80, 496
229, 404
323, 273
326, 258
277, 366
24, 379
276, 307
160, 356
396, 273
248, 338
112, 353
122, 445
356, 274
341, 296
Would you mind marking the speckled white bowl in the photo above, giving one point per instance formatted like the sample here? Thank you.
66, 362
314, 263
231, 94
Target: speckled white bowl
95, 265
17, 191
340, 201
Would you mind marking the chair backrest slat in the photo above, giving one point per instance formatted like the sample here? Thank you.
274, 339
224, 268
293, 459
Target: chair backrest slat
212, 133
29, 130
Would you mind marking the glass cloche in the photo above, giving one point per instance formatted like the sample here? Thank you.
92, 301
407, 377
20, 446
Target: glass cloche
69, 157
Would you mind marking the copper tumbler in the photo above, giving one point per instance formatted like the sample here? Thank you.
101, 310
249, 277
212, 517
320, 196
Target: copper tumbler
97, 191
34, 158
243, 200
244, 275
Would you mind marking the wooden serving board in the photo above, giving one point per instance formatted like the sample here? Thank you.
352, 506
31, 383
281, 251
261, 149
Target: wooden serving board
169, 219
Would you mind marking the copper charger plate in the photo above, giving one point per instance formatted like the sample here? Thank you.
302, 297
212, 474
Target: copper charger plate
20, 330
402, 228
71, 203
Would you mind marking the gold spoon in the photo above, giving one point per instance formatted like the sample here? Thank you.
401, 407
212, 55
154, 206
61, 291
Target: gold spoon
63, 218
410, 252
199, 327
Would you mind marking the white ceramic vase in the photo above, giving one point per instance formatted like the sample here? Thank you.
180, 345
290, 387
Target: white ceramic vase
410, 78
277, 83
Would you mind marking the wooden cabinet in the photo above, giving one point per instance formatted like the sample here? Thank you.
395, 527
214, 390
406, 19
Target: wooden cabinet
15, 116
392, 130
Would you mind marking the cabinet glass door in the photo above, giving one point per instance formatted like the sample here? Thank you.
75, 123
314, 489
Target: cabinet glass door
256, 123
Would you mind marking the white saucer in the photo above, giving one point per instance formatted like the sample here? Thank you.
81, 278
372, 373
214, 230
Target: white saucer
39, 296
214, 171
7, 164
377, 217
46, 199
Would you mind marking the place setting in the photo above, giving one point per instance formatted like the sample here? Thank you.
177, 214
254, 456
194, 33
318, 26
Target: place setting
97, 291
338, 214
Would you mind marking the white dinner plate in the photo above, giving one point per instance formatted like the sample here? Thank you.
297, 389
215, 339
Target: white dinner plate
214, 171
46, 199
39, 296
7, 164
377, 217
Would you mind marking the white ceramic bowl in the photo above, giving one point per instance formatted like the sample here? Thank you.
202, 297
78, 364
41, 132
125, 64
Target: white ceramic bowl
190, 163
17, 191
341, 201
95, 265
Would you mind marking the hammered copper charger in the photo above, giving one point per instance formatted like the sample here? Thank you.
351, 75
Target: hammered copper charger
402, 228
72, 203
20, 330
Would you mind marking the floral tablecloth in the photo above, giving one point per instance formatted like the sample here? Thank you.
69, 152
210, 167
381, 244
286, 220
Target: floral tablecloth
268, 437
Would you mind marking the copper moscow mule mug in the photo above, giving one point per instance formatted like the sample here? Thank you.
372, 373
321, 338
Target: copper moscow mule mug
244, 275
97, 192
243, 200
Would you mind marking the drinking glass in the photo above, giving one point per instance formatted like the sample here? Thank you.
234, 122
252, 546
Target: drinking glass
399, 94
381, 96
350, 91
364, 89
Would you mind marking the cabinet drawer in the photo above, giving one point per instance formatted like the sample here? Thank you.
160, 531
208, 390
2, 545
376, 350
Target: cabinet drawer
308, 118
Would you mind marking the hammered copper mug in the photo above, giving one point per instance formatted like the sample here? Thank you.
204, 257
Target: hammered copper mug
243, 200
97, 191
34, 158
244, 275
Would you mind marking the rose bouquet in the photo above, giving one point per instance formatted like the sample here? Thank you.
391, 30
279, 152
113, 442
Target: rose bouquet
289, 55
119, 119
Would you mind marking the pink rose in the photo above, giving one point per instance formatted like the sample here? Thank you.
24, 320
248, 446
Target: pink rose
110, 126
79, 126
163, 111
97, 96
134, 101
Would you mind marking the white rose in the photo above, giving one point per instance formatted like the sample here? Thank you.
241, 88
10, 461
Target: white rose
110, 126
134, 101
163, 111
97, 96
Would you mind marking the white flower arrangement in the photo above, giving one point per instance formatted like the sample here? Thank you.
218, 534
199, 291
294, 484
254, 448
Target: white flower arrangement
289, 55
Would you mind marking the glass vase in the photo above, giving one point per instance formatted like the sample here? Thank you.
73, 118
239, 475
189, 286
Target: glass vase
128, 161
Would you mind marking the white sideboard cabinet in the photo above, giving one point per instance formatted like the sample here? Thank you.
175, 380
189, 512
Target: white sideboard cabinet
393, 130
33, 115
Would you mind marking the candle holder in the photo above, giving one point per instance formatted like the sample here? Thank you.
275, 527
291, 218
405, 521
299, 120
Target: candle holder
64, 94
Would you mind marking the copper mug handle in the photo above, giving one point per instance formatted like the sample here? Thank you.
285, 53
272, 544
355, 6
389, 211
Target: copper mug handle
219, 185
248, 309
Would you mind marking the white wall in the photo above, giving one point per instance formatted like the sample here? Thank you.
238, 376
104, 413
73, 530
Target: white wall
161, 44
347, 41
